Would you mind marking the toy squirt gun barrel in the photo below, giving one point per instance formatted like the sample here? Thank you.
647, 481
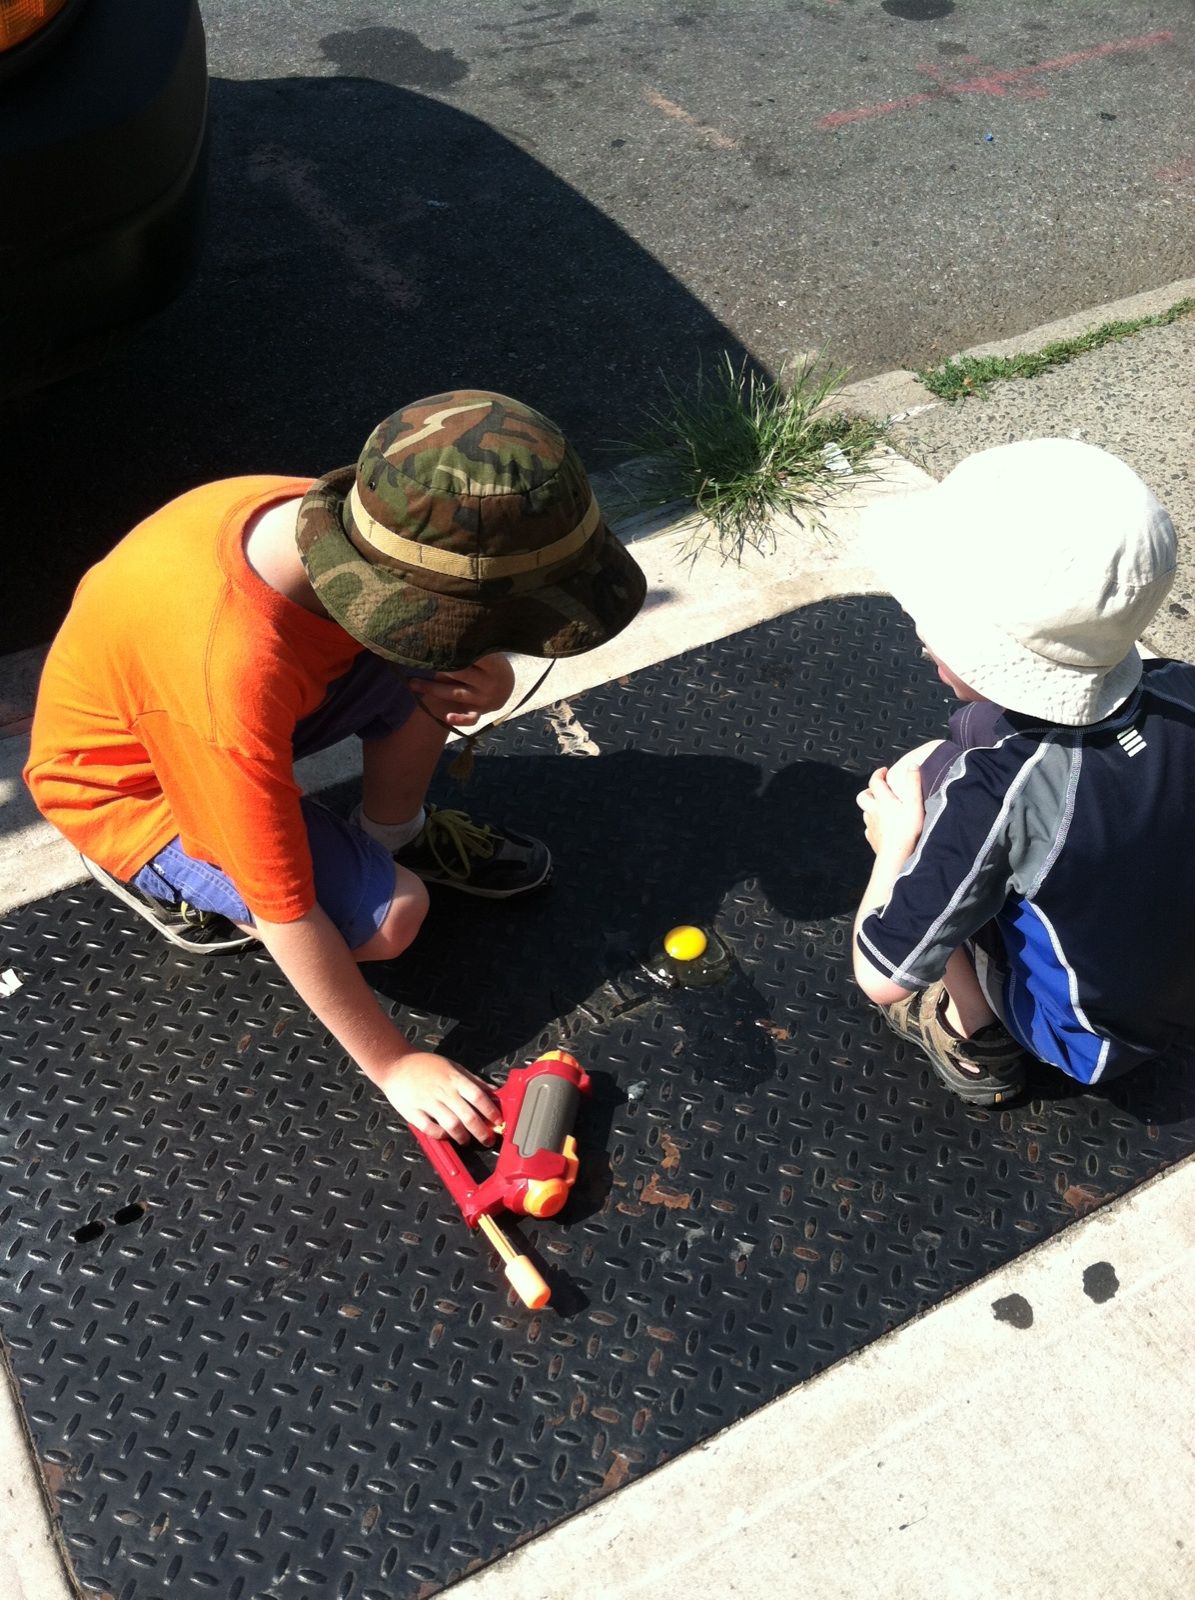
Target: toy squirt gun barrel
536, 1166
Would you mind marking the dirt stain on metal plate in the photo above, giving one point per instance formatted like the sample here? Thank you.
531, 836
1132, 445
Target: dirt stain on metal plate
654, 1194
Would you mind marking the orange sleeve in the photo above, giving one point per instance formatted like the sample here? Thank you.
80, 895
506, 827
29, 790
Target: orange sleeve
240, 812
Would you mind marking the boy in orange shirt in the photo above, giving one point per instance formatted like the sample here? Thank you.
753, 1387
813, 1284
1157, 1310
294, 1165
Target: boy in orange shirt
258, 619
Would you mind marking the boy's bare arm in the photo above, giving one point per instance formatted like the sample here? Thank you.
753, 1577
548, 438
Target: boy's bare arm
893, 815
431, 1092
876, 985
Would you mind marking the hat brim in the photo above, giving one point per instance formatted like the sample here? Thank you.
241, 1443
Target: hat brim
592, 600
910, 542
1008, 672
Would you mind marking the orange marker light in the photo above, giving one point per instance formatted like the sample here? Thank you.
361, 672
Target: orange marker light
20, 19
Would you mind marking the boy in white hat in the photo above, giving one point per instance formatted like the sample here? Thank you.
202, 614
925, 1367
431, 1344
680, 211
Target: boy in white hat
1033, 891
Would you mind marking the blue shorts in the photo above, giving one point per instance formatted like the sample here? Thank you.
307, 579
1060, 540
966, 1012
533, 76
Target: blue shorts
354, 874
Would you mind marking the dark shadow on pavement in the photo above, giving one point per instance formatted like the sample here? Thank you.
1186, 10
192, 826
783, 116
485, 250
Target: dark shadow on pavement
367, 246
642, 842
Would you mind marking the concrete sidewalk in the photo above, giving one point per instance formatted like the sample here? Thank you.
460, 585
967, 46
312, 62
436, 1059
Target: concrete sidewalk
1134, 397
963, 1455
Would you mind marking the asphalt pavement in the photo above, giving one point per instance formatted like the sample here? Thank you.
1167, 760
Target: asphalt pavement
578, 205
889, 181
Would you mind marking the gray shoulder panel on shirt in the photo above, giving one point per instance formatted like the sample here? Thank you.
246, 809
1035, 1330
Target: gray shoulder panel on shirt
1038, 823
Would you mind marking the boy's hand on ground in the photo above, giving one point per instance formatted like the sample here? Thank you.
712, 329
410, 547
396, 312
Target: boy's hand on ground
893, 811
463, 695
437, 1097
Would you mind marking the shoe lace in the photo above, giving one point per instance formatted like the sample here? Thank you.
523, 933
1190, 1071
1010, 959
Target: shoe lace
194, 918
455, 841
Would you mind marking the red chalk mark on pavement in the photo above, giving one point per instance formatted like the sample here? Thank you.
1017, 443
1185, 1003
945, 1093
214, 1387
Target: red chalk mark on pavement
720, 141
1023, 91
273, 163
1185, 169
995, 82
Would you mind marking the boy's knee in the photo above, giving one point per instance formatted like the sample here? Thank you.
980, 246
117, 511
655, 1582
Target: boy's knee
407, 910
914, 758
402, 921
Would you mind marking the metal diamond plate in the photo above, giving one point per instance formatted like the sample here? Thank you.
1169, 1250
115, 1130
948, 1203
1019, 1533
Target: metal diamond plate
259, 1355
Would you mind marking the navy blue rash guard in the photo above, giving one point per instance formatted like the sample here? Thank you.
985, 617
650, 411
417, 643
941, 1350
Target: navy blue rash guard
1065, 858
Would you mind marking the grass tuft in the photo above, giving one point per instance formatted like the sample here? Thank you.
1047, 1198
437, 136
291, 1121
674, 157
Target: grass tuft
743, 448
967, 374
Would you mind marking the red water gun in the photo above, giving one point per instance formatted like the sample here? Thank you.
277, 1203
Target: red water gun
537, 1161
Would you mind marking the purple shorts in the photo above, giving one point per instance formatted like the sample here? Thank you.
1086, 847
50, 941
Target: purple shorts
354, 875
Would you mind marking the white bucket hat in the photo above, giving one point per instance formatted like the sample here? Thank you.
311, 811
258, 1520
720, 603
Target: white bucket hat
1031, 570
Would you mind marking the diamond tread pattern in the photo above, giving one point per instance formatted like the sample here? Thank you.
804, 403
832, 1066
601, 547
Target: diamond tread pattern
258, 1353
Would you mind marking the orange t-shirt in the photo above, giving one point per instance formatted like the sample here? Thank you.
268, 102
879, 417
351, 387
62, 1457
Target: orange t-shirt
170, 696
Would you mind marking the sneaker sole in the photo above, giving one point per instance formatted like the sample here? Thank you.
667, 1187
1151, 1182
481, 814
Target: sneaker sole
116, 888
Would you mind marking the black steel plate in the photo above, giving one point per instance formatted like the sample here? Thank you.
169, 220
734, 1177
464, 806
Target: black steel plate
259, 1355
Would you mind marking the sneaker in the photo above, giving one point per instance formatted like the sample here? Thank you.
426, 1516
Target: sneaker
985, 1070
453, 850
203, 931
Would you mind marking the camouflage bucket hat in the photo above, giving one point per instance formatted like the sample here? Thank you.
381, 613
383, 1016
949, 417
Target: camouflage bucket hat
467, 526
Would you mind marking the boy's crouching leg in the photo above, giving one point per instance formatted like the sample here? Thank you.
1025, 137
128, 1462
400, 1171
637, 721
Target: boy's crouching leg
401, 922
